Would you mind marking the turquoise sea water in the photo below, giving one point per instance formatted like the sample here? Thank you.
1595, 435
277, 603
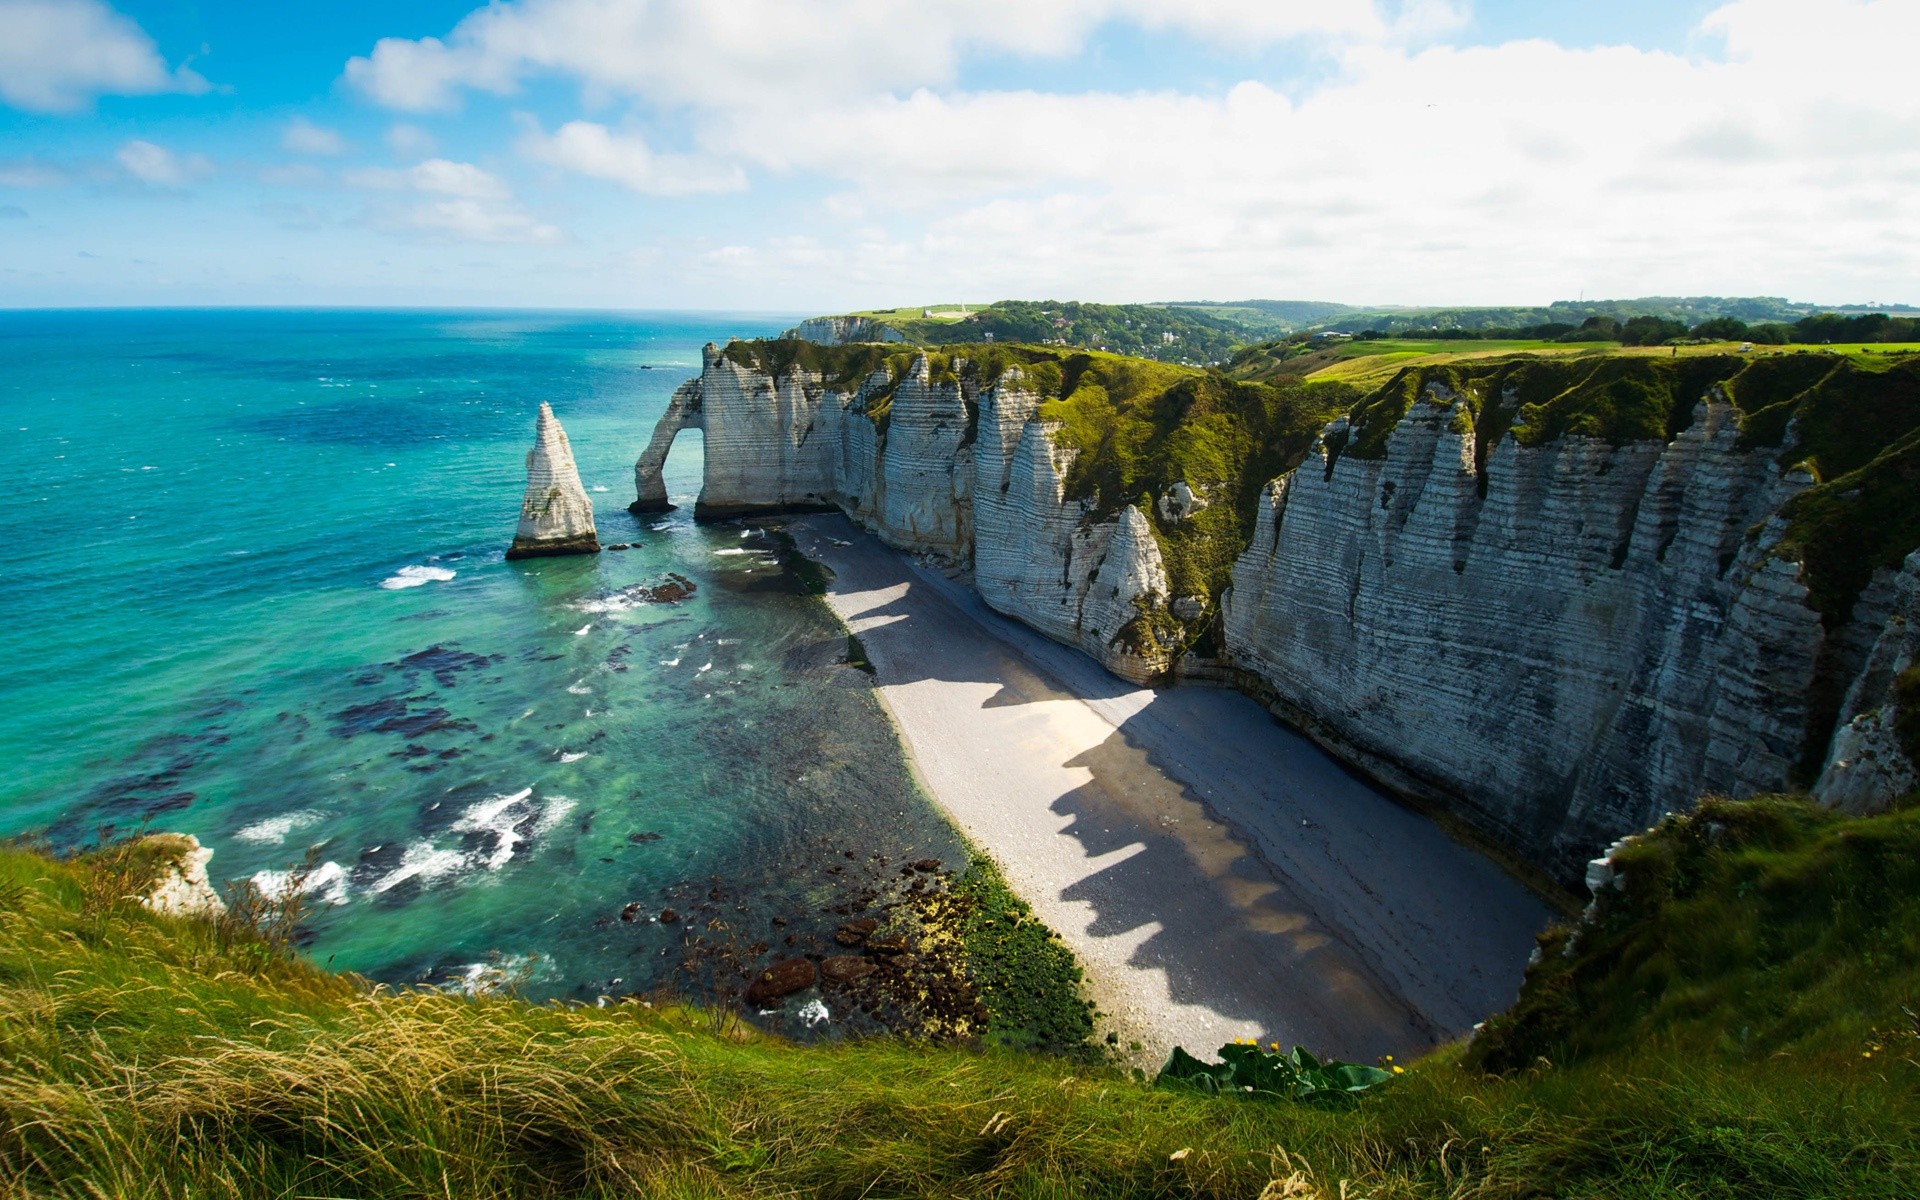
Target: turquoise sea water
255, 592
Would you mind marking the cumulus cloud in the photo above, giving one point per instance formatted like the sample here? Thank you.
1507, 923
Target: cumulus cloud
160, 167
465, 202
594, 150
56, 56
304, 137
774, 52
1777, 155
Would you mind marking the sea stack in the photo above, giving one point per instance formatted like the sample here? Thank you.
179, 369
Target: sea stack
555, 517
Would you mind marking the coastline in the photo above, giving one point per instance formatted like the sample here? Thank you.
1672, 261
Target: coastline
1217, 875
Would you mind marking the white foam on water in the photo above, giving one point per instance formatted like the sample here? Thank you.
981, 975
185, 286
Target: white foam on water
599, 487
670, 662
495, 815
734, 550
708, 667
423, 861
407, 577
274, 830
583, 631
578, 690
572, 756
814, 1014
508, 971
662, 525
326, 883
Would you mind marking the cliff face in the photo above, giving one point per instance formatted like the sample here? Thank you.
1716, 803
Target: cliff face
1557, 634
1590, 644
555, 515
931, 465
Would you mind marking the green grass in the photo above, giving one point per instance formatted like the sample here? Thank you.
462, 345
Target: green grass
157, 1057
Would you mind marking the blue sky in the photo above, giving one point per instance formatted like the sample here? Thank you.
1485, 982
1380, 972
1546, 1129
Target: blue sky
829, 154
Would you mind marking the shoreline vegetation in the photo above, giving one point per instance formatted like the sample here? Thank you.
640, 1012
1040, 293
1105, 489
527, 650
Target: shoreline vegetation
1733, 1019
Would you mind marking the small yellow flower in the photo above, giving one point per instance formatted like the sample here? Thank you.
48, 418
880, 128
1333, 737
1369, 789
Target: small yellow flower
1399, 1070
1866, 1054
1274, 1045
1389, 1058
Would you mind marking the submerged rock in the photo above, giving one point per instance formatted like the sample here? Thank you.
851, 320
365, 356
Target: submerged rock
783, 978
555, 515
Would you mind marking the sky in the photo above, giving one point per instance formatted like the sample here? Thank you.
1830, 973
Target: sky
826, 155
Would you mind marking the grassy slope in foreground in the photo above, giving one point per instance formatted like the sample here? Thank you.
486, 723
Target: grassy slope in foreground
1711, 1039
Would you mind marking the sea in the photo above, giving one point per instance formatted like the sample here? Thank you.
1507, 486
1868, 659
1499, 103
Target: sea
255, 591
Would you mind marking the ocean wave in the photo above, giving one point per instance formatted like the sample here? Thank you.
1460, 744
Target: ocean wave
734, 550
567, 756
274, 830
584, 630
423, 861
407, 577
504, 973
326, 883
577, 690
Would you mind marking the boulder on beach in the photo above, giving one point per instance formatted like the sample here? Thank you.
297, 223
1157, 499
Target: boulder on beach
555, 515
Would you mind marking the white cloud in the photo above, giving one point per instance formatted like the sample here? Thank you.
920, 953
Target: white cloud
304, 137
409, 141
594, 150
32, 173
56, 56
1777, 155
768, 53
161, 167
474, 205
472, 220
437, 175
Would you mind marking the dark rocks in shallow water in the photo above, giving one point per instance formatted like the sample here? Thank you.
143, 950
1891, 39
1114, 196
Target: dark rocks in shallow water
856, 932
781, 979
171, 803
393, 715
845, 968
641, 839
631, 912
668, 916
444, 663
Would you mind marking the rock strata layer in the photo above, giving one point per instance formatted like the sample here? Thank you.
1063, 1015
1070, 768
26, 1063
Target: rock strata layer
555, 515
1558, 641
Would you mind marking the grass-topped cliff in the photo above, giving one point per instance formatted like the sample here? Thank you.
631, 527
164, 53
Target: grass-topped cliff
1852, 422
1136, 426
1738, 1023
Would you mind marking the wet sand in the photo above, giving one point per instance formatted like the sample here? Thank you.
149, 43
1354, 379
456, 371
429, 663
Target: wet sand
1217, 874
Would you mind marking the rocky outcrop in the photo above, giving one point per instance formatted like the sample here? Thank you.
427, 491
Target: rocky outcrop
180, 886
555, 515
1868, 767
844, 331
1558, 641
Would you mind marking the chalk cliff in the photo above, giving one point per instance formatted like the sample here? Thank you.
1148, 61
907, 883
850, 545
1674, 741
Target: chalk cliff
842, 331
1557, 633
555, 515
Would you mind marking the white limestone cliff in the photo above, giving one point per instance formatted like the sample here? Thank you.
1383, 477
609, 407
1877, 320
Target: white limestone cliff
1559, 643
842, 331
555, 515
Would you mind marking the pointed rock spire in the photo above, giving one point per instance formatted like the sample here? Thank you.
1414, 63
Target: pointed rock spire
555, 516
